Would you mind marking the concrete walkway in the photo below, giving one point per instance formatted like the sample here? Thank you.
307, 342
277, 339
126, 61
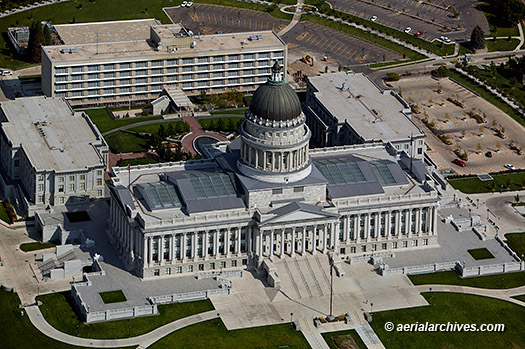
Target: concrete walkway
145, 340
522, 37
196, 131
295, 19
503, 294
369, 337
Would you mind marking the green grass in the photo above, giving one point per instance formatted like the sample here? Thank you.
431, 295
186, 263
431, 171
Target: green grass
34, 246
112, 297
502, 45
480, 253
454, 308
508, 280
141, 161
154, 128
3, 215
488, 96
17, 330
275, 11
496, 27
105, 122
336, 340
411, 55
472, 185
234, 111
516, 242
57, 309
213, 334
124, 142
520, 297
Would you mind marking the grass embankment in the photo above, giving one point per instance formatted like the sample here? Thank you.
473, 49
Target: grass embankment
501, 45
480, 254
516, 242
57, 309
508, 280
34, 246
112, 297
456, 309
501, 182
125, 142
105, 122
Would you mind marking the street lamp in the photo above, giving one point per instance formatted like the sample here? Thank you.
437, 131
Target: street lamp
371, 307
129, 331
291, 317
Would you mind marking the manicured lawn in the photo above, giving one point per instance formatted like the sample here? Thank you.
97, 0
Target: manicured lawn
112, 297
17, 330
454, 308
472, 185
343, 339
57, 308
228, 123
3, 214
213, 334
142, 161
516, 242
508, 280
480, 253
124, 142
154, 128
105, 122
520, 298
234, 111
502, 45
33, 246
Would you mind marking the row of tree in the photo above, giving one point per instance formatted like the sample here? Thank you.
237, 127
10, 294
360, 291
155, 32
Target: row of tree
38, 35
220, 125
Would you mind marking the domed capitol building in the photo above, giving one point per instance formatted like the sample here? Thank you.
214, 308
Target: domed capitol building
267, 196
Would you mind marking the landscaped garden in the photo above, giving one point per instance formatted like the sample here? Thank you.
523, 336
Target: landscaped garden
34, 246
221, 124
105, 122
4, 215
58, 310
501, 45
344, 339
516, 242
109, 297
17, 330
500, 182
126, 142
507, 280
480, 254
457, 309
213, 334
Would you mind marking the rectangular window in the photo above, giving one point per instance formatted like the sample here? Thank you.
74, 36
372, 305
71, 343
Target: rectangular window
140, 81
249, 56
71, 187
187, 61
167, 271
203, 59
76, 93
233, 73
109, 75
92, 67
93, 84
404, 243
186, 77
156, 87
278, 54
157, 63
202, 67
218, 74
172, 78
264, 55
172, 70
109, 66
190, 268
92, 76
218, 82
156, 272
233, 57
179, 270
414, 243
172, 62
201, 267
76, 69
248, 64
125, 82
298, 189
77, 77
187, 68
233, 81
156, 79
61, 200
218, 67
140, 64
233, 65
277, 191
59, 70
125, 89
202, 83
425, 242
125, 65
61, 78
40, 187
140, 88
156, 71
99, 181
125, 73
109, 83
394, 245
218, 58
140, 72
82, 186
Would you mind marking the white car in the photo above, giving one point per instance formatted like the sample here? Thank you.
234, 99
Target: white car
7, 72
189, 4
445, 39
184, 3
407, 30
510, 167
373, 19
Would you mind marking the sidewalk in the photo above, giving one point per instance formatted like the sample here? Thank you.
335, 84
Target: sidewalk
503, 294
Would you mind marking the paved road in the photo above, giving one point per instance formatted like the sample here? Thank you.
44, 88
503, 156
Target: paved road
145, 340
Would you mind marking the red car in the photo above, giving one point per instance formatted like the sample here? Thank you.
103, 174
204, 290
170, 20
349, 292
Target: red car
459, 162
419, 33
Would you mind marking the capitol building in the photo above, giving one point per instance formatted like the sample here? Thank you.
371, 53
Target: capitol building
267, 196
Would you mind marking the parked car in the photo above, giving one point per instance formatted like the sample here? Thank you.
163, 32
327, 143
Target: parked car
459, 162
184, 3
7, 72
510, 167
218, 32
407, 30
445, 39
373, 19
189, 4
419, 33
488, 154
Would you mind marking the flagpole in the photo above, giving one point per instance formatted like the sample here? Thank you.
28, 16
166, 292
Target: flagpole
331, 285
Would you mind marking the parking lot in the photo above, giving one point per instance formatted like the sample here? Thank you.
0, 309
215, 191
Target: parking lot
476, 139
429, 17
305, 38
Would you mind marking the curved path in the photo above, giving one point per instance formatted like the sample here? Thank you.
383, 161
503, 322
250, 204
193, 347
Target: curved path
295, 19
145, 340
503, 294
196, 131
142, 123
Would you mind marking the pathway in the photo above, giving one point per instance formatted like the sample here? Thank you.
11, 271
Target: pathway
145, 340
522, 39
196, 131
295, 19
369, 337
503, 294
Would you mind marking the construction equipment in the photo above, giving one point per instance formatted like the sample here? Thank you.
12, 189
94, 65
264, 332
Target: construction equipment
308, 60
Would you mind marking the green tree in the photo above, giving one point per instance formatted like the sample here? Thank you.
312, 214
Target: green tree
231, 125
477, 38
170, 130
508, 12
36, 38
47, 36
220, 125
211, 125
162, 131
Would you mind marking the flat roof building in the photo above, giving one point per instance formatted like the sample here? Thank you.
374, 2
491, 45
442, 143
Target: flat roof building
129, 67
52, 153
349, 108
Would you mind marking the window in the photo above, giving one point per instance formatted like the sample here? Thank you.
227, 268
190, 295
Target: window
40, 177
92, 92
202, 67
60, 70
233, 65
172, 61
109, 66
233, 57
167, 271
374, 247
61, 200
72, 187
140, 64
156, 272
157, 63
233, 81
264, 55
186, 77
125, 89
248, 64
61, 78
384, 246
249, 56
40, 187
172, 70
394, 245
363, 248
233, 73
278, 54
248, 72
140, 72
218, 74
140, 88
77, 77
218, 82
93, 84
425, 242
234, 263
203, 59
82, 186
109, 83
414, 243
277, 191
187, 85
99, 181
76, 93
179, 270
202, 76
190, 268
156, 79
218, 58
218, 67
92, 67
172, 78
71, 178
60, 179
352, 249
125, 73
298, 189
140, 81
125, 65
187, 61
187, 68
404, 243
156, 71
223, 264
203, 83
156, 87
201, 267
92, 76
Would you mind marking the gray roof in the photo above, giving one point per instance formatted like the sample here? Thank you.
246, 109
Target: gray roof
123, 195
297, 206
275, 101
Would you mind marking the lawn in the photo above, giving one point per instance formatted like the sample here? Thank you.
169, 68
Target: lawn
3, 214
508, 280
343, 339
501, 45
472, 185
480, 253
125, 142
154, 128
34, 246
141, 161
234, 111
454, 308
105, 122
57, 309
229, 123
213, 334
516, 242
520, 297
17, 330
112, 297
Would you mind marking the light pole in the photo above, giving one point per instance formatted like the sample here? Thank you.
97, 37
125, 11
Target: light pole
371, 307
291, 317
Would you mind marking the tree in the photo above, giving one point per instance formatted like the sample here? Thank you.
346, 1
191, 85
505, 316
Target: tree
477, 38
161, 132
517, 198
220, 125
392, 77
36, 38
47, 36
509, 12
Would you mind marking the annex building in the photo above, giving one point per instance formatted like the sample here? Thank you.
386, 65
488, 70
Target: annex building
267, 195
126, 62
349, 108
50, 155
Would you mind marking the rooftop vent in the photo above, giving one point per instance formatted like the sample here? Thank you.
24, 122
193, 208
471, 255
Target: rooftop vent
255, 37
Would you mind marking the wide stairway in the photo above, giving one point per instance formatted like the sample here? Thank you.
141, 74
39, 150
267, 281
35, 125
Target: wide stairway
304, 276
